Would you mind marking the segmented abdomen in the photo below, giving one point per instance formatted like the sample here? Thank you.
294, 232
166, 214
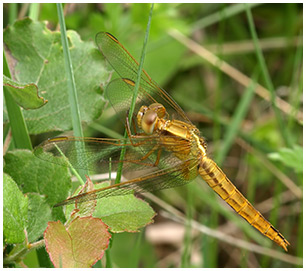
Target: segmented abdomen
218, 181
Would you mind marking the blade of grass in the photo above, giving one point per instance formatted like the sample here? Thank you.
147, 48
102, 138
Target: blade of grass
69, 164
72, 93
297, 90
131, 111
12, 13
137, 83
208, 244
233, 128
219, 87
218, 16
18, 126
282, 125
134, 260
232, 72
34, 11
102, 129
186, 255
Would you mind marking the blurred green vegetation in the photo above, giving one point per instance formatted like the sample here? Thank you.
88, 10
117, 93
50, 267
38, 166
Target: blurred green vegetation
210, 98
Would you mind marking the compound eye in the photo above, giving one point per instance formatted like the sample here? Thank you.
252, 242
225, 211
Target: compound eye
140, 114
148, 121
159, 109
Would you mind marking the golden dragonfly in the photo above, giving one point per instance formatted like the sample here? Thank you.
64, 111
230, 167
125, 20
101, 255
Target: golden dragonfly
163, 149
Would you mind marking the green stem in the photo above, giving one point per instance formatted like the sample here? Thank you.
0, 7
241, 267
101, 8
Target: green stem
34, 11
218, 16
282, 126
233, 129
133, 102
18, 126
72, 93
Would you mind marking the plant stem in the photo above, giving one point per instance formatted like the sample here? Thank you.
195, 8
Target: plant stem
72, 93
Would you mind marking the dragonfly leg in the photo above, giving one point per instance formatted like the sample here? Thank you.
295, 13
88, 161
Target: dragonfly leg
158, 157
155, 148
134, 125
138, 135
129, 133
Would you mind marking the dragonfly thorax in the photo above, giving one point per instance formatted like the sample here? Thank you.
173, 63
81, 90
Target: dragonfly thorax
148, 116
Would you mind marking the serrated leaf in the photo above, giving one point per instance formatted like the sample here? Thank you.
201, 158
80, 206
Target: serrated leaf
82, 244
35, 55
15, 211
124, 213
39, 214
290, 157
121, 213
26, 95
35, 175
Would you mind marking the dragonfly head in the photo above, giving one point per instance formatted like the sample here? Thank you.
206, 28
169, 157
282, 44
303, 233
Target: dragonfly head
148, 116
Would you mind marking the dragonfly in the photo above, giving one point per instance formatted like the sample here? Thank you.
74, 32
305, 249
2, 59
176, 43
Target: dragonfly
163, 148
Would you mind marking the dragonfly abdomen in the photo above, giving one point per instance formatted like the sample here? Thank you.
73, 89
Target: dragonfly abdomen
218, 181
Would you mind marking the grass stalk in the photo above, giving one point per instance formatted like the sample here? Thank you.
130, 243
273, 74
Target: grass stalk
186, 256
296, 90
233, 129
34, 11
107, 131
135, 259
19, 129
218, 16
137, 83
282, 125
12, 13
72, 92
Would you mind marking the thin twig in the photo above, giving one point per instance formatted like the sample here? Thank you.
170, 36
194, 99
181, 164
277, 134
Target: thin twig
234, 73
7, 142
177, 216
23, 11
247, 46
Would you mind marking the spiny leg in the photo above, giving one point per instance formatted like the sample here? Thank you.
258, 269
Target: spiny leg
141, 135
135, 135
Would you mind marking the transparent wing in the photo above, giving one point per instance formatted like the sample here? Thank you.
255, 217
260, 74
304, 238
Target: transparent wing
126, 66
95, 153
178, 175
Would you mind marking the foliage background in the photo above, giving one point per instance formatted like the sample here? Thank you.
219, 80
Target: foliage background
211, 99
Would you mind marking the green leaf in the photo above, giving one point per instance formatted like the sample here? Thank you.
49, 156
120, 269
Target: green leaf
121, 213
39, 214
26, 95
124, 213
35, 55
290, 157
15, 211
35, 175
82, 244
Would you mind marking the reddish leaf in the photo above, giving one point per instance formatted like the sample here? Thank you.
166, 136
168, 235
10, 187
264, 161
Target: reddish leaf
82, 244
